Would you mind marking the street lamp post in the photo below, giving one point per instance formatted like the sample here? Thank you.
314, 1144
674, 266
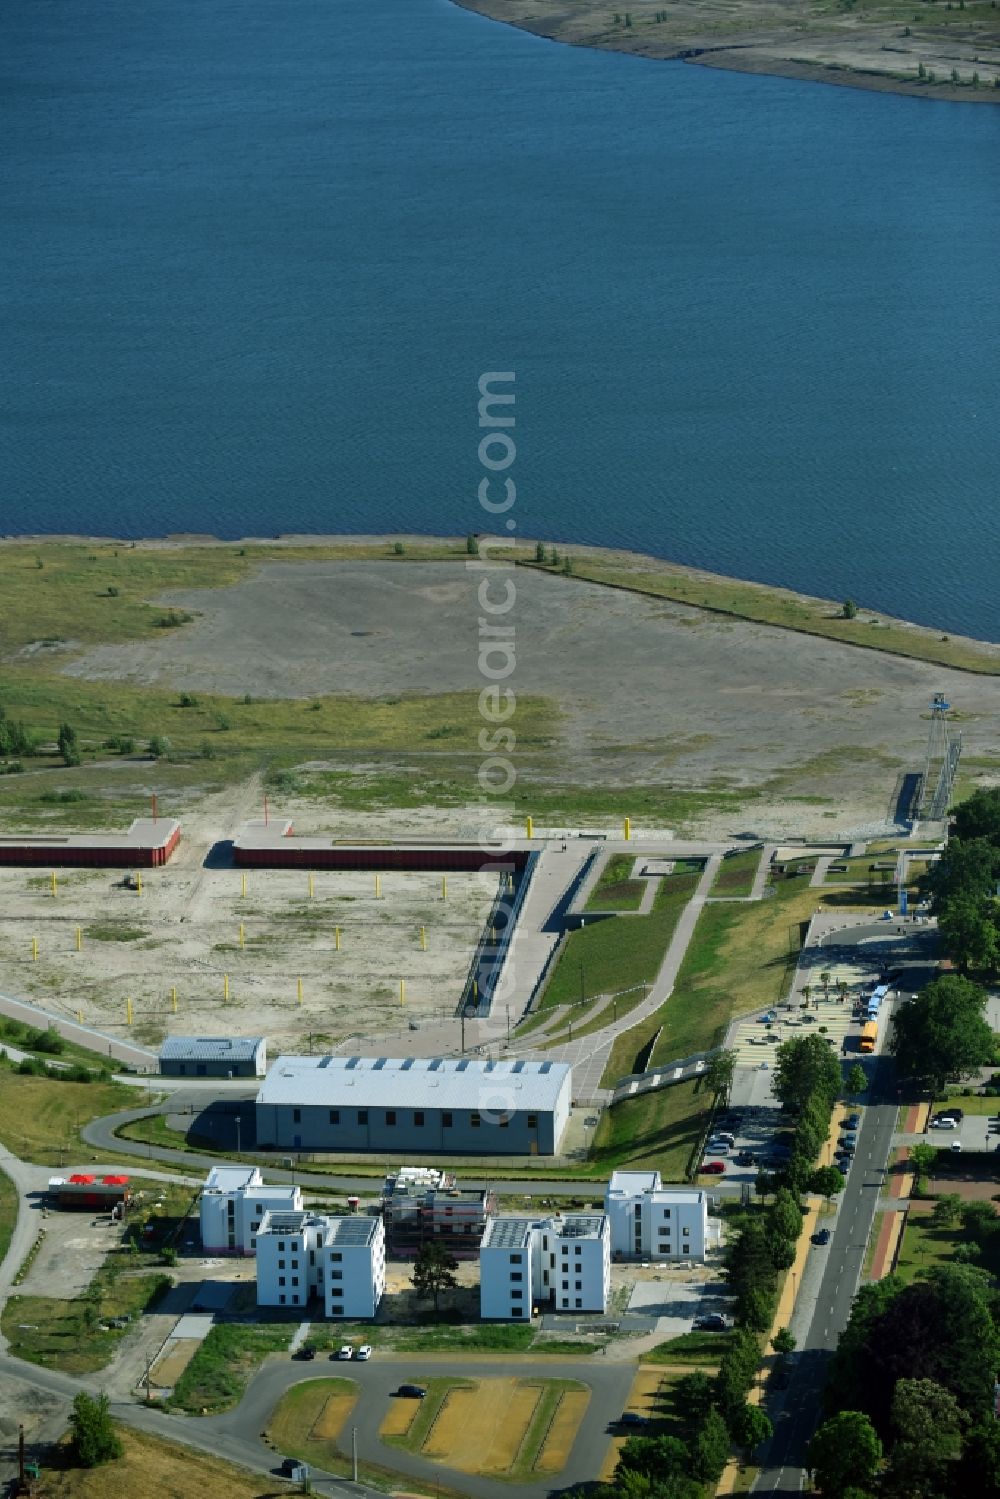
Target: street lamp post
238, 1125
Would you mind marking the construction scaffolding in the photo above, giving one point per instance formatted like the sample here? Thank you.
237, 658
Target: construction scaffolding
421, 1205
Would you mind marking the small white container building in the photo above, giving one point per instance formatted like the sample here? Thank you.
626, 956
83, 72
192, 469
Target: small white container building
234, 1201
342, 1260
653, 1222
561, 1262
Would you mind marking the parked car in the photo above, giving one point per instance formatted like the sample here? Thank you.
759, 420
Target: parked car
758, 1040
941, 1122
713, 1168
822, 1236
412, 1391
725, 1136
745, 1157
849, 1138
346, 1350
956, 1146
717, 1147
633, 1418
365, 1351
307, 1352
852, 1121
958, 1114
711, 1322
768, 1017
847, 1147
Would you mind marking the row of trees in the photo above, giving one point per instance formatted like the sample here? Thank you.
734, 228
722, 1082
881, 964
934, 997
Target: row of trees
943, 1032
912, 1385
962, 885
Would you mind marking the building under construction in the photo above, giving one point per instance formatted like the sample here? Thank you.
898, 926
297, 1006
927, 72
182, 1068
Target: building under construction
421, 1205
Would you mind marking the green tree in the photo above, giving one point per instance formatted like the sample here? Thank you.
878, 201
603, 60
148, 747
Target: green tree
719, 1072
857, 1080
68, 746
471, 545
979, 816
784, 1216
968, 933
942, 1032
539, 551
750, 1427
756, 1310
709, 1449
927, 1423
805, 1066
784, 1341
980, 1222
923, 1159
158, 746
693, 1396
95, 1439
827, 1181
849, 609
434, 1271
947, 1210
979, 1469
966, 867
845, 1453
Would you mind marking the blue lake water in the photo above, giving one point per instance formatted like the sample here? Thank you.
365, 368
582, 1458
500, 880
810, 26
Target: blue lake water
255, 258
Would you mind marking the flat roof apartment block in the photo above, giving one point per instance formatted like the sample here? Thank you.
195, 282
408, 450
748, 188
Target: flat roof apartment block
525, 1263
650, 1221
341, 1260
234, 1202
442, 1105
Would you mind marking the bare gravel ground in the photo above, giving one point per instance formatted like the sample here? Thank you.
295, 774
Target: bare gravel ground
650, 691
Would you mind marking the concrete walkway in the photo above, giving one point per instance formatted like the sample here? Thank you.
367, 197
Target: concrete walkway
81, 1035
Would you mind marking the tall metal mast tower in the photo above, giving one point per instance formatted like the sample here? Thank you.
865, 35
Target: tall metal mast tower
944, 749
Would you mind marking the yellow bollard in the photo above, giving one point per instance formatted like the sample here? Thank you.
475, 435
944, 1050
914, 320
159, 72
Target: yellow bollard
173, 999
336, 938
79, 938
529, 828
423, 939
378, 887
298, 983
55, 883
243, 886
34, 949
444, 887
628, 829
312, 887
225, 986
128, 1012
79, 1016
475, 989
243, 935
402, 991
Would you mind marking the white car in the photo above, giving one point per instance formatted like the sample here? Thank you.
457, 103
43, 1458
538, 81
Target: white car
345, 1351
365, 1351
945, 1123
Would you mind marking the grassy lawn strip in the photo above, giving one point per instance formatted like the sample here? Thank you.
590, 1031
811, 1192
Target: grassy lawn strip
8, 1213
615, 891
925, 1246
438, 1390
70, 1053
553, 1390
40, 1118
604, 1014
216, 1377
614, 954
657, 1130
736, 875
293, 1422
972, 1105
151, 1468
67, 1335
690, 1347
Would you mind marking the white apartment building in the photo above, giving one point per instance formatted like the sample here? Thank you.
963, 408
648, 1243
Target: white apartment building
341, 1260
652, 1222
562, 1262
234, 1201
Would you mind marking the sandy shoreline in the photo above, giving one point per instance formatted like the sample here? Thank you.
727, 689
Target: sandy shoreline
639, 562
813, 46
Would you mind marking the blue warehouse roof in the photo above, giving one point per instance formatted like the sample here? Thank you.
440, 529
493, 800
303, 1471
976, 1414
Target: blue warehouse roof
211, 1048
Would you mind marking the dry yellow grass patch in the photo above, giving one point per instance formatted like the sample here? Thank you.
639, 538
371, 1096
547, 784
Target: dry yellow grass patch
398, 1418
510, 1426
558, 1443
330, 1421
462, 1431
641, 1398
174, 1361
154, 1469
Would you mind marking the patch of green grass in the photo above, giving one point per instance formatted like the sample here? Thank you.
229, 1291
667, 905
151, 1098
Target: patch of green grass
659, 1129
68, 1335
615, 890
924, 1247
217, 1375
40, 1118
117, 931
490, 1337
690, 1347
971, 1105
736, 875
616, 953
8, 1213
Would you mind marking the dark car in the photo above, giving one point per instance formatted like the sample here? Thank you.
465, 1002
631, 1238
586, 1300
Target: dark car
852, 1121
633, 1418
958, 1114
711, 1322
412, 1391
822, 1236
307, 1352
745, 1158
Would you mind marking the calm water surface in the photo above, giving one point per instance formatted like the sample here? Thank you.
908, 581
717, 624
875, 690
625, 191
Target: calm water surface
255, 258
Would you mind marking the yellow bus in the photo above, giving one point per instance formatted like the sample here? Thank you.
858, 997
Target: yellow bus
869, 1035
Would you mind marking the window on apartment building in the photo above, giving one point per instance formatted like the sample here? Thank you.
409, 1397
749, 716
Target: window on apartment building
578, 1286
474, 1121
685, 1248
685, 1233
666, 1212
335, 1254
579, 1302
281, 1264
336, 1274
637, 1210
362, 1116
258, 1207
390, 1116
295, 1264
665, 1248
254, 1227
281, 1300
552, 1261
515, 1259
281, 1246
296, 1116
446, 1121
336, 1308
532, 1121
253, 1242
295, 1245
565, 1285
418, 1118
281, 1280
334, 1116
516, 1275
577, 1249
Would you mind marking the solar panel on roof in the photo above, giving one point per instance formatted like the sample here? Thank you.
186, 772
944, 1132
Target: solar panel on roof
545, 1067
352, 1062
518, 1067
378, 1064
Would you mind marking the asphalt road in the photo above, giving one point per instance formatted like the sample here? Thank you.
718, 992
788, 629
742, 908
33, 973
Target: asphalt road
797, 1411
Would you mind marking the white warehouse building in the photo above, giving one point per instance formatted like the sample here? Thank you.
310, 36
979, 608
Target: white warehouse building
303, 1254
439, 1105
562, 1262
233, 1203
653, 1222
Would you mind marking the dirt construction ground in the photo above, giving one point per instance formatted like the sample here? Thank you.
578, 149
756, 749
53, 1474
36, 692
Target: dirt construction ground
647, 690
